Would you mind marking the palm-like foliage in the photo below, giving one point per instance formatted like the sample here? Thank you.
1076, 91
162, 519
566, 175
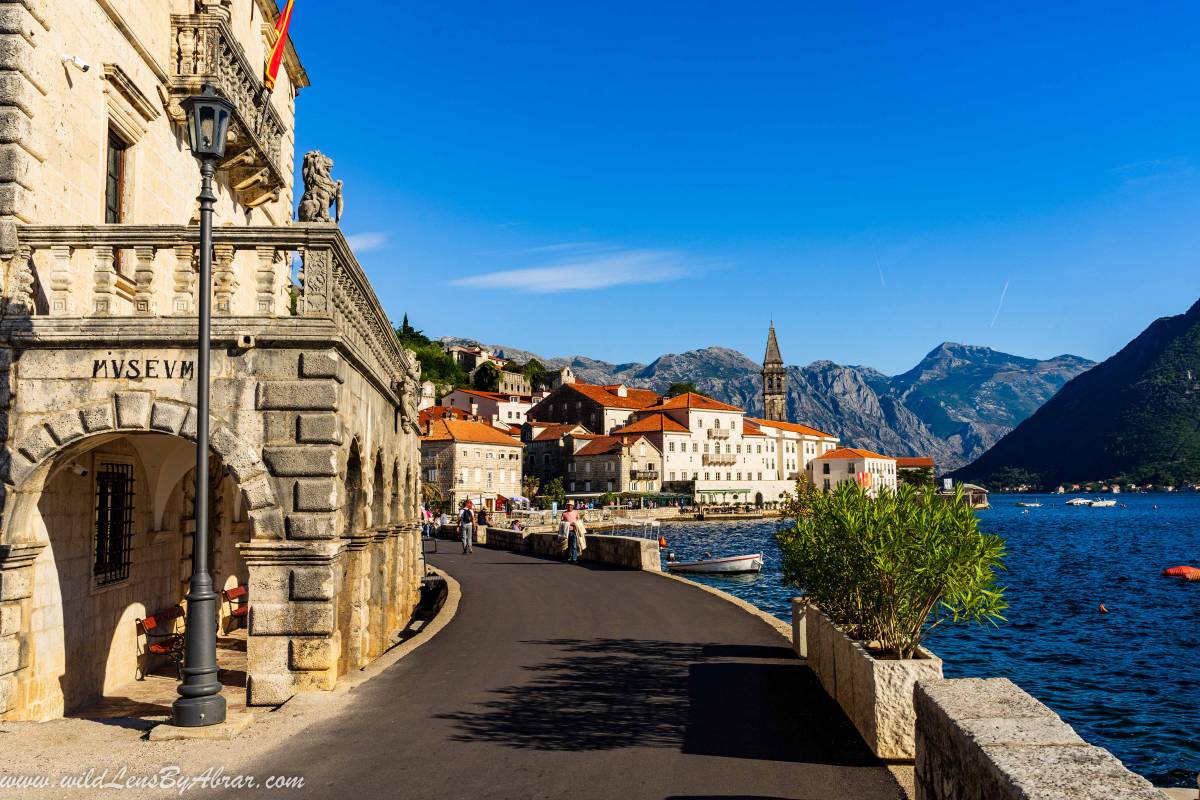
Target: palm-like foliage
891, 569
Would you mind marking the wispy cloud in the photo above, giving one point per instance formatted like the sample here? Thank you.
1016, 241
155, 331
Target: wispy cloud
366, 242
1000, 305
1152, 170
587, 267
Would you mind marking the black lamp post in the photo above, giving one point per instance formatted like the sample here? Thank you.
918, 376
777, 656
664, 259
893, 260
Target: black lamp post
200, 701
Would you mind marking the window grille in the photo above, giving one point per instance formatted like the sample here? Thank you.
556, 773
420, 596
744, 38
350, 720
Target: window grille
114, 523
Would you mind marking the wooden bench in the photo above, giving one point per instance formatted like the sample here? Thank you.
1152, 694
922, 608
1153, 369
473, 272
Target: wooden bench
164, 637
238, 606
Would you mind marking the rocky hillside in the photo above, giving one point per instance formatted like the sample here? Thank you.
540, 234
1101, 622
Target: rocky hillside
1134, 417
953, 405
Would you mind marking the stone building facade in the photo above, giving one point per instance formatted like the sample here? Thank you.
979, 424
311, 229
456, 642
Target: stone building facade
774, 381
470, 460
313, 412
614, 464
598, 408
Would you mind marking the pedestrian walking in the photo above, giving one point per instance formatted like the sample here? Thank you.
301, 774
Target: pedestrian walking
466, 527
570, 519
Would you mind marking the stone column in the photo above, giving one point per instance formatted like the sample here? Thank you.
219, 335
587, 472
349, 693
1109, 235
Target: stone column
143, 299
62, 304
16, 591
224, 281
266, 281
292, 643
185, 280
104, 282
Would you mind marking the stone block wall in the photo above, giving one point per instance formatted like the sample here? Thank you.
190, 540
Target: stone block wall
986, 739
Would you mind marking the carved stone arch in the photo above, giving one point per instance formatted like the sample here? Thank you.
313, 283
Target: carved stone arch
378, 492
39, 446
353, 508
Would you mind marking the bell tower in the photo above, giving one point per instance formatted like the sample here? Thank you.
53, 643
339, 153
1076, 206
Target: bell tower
774, 381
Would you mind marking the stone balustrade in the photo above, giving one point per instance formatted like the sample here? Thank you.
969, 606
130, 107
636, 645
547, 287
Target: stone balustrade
302, 272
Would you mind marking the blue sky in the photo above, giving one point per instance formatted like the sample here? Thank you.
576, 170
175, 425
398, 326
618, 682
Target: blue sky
627, 179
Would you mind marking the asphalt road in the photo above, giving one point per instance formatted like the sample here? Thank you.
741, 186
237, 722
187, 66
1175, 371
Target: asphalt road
565, 681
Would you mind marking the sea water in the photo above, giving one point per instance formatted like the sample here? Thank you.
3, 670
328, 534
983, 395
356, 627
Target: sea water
1127, 680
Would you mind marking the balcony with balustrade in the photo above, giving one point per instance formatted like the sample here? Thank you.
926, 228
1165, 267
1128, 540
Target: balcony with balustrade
137, 284
719, 433
643, 474
719, 459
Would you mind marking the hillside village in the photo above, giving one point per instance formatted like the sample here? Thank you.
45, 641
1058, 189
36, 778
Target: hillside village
513, 435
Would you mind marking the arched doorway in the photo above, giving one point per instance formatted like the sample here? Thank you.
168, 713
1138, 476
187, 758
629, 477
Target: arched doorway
116, 512
378, 494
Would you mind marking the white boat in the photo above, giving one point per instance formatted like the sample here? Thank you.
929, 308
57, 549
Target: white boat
1103, 503
1029, 505
731, 565
1079, 501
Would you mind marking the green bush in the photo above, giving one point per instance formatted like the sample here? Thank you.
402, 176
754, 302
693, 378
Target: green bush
891, 569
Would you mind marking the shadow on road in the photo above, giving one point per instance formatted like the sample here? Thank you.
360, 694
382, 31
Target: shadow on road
605, 694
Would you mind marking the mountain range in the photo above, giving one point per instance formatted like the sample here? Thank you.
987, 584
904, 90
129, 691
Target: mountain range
953, 405
1133, 418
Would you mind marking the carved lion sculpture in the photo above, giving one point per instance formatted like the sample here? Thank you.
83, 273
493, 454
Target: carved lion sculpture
320, 189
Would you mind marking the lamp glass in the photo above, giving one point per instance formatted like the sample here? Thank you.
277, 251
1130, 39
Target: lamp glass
208, 123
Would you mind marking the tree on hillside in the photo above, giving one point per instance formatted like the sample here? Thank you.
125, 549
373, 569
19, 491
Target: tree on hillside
436, 364
535, 371
681, 387
487, 378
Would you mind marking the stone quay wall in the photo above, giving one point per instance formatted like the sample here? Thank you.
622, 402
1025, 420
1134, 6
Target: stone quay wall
986, 738
622, 551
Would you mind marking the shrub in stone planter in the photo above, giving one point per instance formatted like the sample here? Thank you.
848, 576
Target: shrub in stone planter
888, 570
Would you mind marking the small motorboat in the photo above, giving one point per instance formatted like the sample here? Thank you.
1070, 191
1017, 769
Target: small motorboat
1103, 503
731, 565
1023, 504
1079, 501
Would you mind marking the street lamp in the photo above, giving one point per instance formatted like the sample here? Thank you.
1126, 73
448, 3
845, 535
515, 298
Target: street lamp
200, 701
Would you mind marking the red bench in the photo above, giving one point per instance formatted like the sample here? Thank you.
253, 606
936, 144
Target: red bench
163, 638
237, 599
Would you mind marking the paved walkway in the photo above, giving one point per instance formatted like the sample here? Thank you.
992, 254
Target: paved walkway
562, 681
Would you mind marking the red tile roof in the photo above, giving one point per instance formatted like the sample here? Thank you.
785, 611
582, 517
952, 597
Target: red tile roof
750, 429
654, 423
607, 395
556, 431
457, 430
851, 453
502, 397
693, 400
603, 445
439, 412
915, 462
790, 426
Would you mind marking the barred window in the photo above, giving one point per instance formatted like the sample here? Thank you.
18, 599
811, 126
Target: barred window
114, 522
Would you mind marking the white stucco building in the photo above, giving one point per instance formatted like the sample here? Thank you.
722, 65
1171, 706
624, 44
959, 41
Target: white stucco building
716, 453
870, 470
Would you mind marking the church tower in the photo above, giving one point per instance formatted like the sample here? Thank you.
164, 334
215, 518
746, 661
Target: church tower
774, 381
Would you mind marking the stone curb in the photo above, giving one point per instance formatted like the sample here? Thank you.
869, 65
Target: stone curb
778, 625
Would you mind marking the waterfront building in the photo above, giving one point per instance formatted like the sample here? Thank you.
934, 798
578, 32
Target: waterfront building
915, 469
599, 408
870, 470
549, 448
774, 381
465, 459
315, 457
605, 464
713, 452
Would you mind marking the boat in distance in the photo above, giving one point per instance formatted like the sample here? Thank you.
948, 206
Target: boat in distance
731, 565
1029, 505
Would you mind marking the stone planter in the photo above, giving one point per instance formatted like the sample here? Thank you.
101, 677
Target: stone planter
876, 694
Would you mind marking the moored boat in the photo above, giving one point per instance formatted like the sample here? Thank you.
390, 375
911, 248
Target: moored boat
1103, 503
1028, 505
731, 565
1079, 501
